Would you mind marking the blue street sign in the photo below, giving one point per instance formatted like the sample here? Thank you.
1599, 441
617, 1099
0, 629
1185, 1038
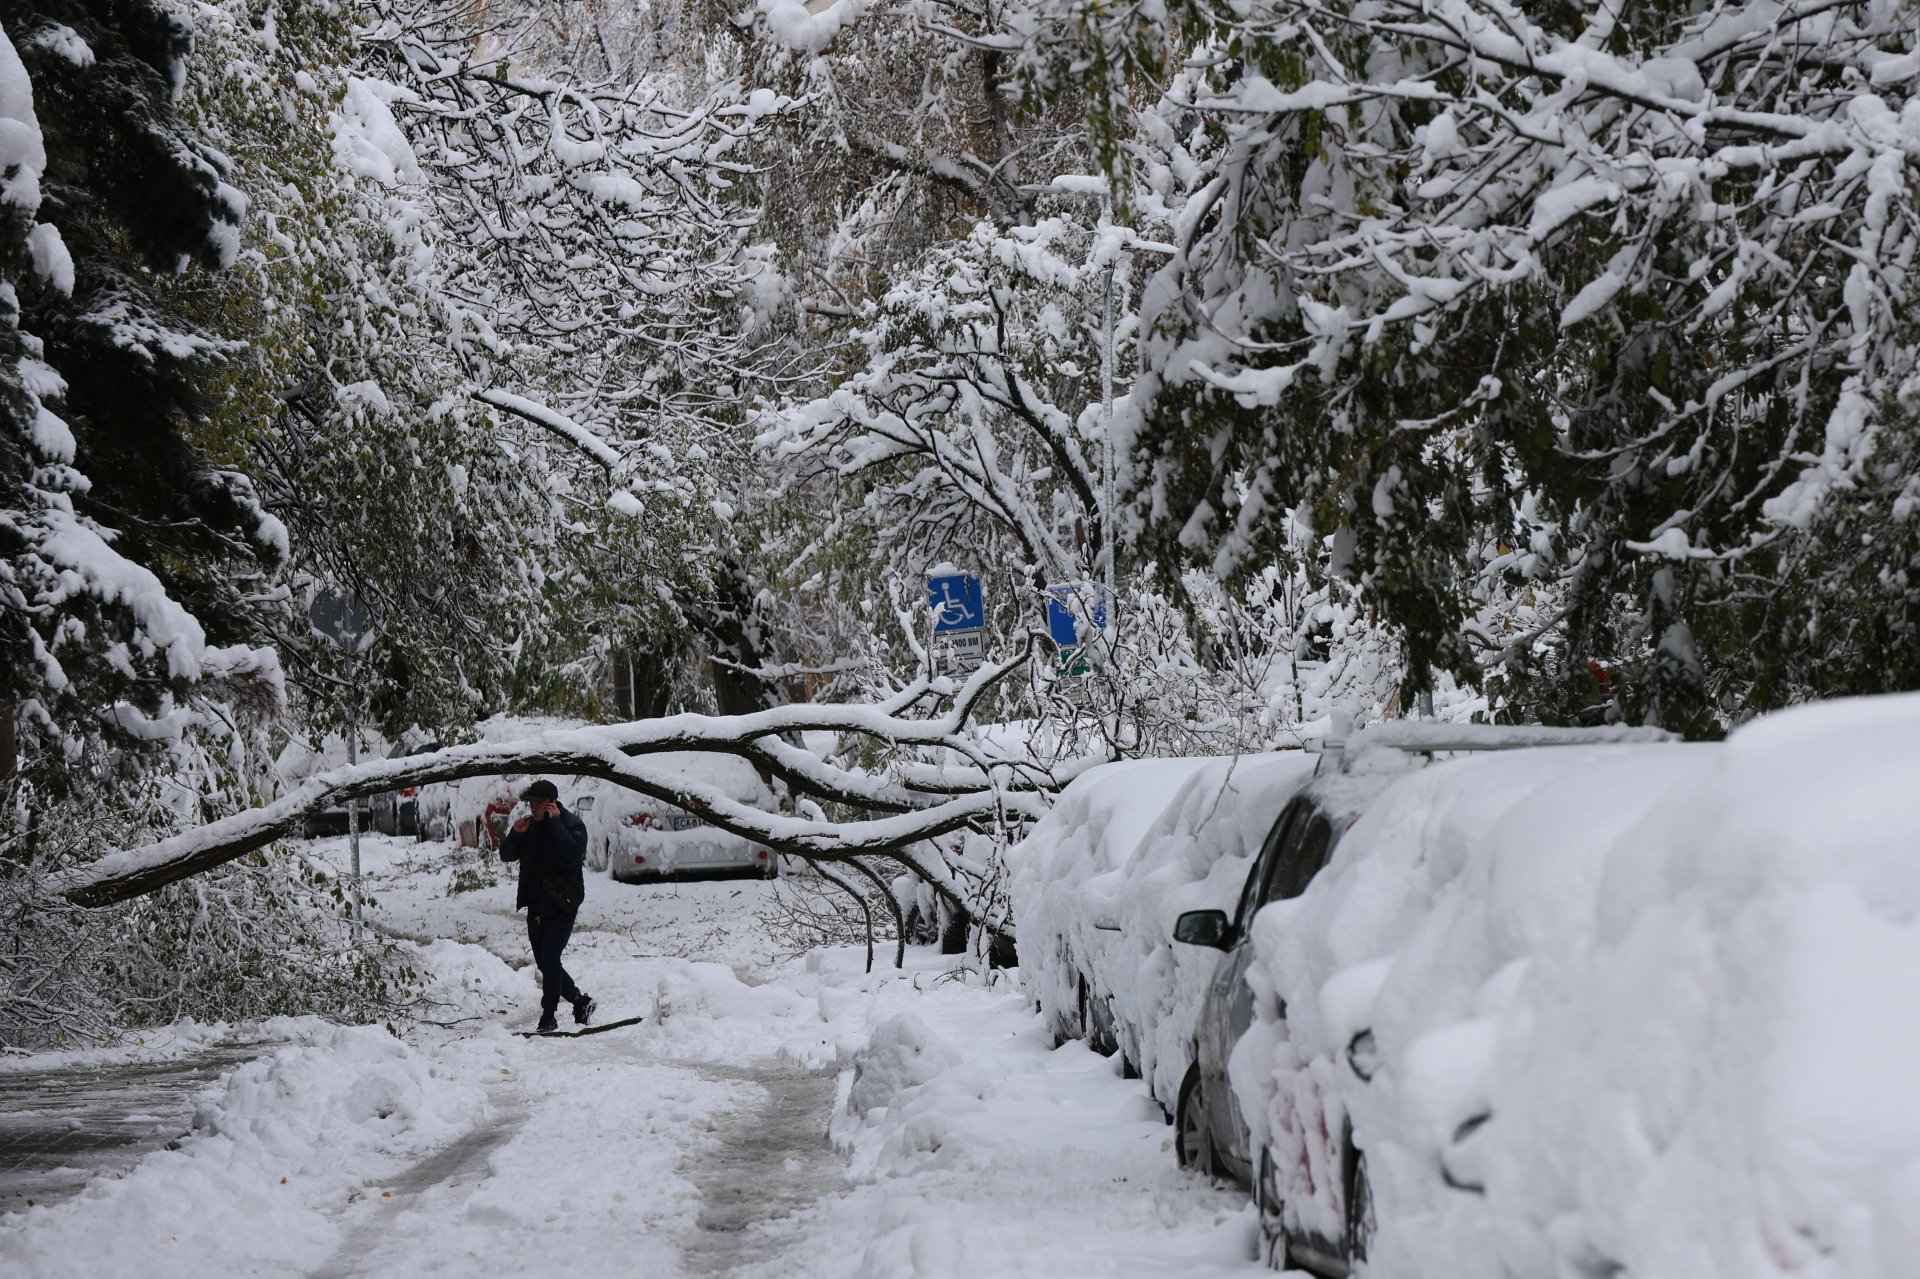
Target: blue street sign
341, 619
1062, 623
955, 603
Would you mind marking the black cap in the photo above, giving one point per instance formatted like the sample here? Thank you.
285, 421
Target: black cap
542, 789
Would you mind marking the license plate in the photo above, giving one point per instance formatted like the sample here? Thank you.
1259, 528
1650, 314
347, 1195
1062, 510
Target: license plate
687, 822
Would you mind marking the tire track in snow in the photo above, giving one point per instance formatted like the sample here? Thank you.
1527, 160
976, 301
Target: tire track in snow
768, 1163
462, 1163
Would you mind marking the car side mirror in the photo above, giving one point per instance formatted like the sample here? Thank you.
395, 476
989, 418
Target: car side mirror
1204, 928
583, 804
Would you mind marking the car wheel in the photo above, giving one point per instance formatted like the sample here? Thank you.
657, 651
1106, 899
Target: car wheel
1361, 1221
922, 930
1192, 1145
1268, 1199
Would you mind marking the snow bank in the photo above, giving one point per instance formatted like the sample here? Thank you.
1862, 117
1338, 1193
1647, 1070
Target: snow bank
1659, 1002
357, 1087
246, 1189
465, 980
703, 1011
1128, 847
902, 1054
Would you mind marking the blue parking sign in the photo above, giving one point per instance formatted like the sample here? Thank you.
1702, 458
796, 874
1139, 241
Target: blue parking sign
955, 603
1062, 618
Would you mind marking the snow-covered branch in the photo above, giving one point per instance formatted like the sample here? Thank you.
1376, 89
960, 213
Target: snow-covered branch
985, 781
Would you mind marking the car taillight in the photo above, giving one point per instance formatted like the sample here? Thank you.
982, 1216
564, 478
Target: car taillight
409, 792
763, 854
638, 860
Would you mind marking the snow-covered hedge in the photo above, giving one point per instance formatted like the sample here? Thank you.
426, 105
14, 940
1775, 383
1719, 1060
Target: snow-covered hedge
1097, 885
1660, 1003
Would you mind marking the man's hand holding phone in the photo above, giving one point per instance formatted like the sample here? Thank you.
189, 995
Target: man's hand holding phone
540, 806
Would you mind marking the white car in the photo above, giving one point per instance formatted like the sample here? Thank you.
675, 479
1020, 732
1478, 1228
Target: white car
636, 838
301, 758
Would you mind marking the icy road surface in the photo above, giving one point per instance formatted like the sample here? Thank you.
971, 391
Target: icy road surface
772, 1118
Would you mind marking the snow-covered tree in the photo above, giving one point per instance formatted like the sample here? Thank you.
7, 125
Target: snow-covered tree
968, 426
1621, 288
135, 558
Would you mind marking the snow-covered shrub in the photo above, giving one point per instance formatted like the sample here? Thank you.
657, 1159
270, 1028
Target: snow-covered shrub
1098, 884
1633, 1009
261, 936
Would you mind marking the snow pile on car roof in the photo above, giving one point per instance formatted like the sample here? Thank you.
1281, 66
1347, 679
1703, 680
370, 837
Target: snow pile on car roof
1633, 1010
1097, 885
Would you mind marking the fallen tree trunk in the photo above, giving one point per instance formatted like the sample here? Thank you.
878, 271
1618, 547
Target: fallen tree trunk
922, 804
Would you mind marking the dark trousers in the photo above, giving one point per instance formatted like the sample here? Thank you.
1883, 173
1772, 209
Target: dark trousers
548, 930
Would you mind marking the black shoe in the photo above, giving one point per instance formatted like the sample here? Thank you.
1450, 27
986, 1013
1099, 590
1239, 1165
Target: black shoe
547, 1023
583, 1010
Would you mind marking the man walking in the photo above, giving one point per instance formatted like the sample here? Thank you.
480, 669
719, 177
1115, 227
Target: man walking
551, 846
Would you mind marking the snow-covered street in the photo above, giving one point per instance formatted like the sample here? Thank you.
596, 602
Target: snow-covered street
769, 1116
1290, 630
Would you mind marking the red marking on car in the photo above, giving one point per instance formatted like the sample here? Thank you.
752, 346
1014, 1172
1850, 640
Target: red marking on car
494, 823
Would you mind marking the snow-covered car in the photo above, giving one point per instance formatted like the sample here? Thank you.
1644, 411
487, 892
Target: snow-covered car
636, 838
473, 810
477, 810
1097, 884
302, 757
396, 812
1614, 1009
1213, 1132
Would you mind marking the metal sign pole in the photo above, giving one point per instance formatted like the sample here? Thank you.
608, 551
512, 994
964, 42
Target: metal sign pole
1106, 436
353, 819
340, 619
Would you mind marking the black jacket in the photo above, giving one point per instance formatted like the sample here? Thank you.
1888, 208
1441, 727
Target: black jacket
551, 854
